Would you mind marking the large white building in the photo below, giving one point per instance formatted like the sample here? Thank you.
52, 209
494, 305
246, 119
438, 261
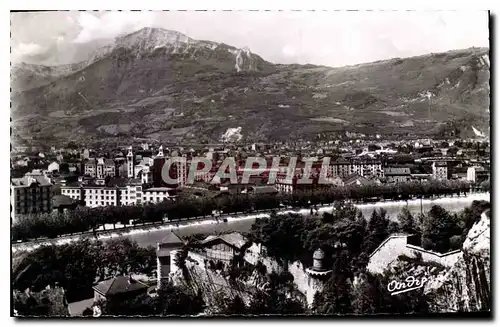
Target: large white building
131, 193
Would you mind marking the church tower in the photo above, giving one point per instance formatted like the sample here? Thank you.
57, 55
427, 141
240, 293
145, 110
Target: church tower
160, 152
130, 163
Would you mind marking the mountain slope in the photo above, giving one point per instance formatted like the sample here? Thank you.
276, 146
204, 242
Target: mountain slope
161, 84
28, 76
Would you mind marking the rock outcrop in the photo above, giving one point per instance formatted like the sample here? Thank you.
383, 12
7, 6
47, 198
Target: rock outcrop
466, 286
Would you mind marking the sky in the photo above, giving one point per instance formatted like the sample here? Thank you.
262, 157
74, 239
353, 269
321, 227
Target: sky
333, 38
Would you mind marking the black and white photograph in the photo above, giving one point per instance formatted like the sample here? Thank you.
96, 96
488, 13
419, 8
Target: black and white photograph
217, 163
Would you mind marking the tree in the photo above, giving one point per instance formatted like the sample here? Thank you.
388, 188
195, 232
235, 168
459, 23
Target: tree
72, 145
236, 307
485, 186
278, 298
438, 226
72, 266
393, 228
407, 222
345, 232
174, 301
471, 215
283, 235
335, 298
377, 230
142, 305
364, 295
64, 167
76, 266
370, 296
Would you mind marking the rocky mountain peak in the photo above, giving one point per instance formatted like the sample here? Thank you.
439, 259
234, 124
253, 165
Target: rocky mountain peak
148, 37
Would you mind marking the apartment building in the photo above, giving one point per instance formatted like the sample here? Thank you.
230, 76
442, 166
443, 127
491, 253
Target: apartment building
30, 194
285, 185
100, 196
373, 168
340, 168
365, 168
131, 194
440, 170
90, 168
397, 174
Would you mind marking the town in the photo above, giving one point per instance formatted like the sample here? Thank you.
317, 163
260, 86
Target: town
59, 179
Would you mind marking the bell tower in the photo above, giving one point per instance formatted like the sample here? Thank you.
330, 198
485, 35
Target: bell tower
130, 163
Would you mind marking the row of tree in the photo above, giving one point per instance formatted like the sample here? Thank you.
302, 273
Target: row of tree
33, 226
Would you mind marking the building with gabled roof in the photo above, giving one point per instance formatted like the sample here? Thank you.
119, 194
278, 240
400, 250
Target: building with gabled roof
119, 288
222, 247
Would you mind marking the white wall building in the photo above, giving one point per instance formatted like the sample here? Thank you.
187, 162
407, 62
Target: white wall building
157, 194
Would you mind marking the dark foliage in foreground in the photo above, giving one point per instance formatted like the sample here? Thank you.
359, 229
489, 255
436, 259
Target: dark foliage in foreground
77, 266
170, 300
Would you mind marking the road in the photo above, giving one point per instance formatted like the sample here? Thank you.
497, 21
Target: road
150, 236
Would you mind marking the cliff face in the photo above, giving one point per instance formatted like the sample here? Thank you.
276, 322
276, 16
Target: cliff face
466, 286
215, 285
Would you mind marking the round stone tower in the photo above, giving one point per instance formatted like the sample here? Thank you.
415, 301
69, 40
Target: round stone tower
318, 257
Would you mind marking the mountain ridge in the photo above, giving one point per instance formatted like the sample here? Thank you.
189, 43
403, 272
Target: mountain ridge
164, 85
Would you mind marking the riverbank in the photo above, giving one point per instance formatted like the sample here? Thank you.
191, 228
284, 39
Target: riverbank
149, 235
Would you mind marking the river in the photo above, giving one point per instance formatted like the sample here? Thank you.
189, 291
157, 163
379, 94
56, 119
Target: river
242, 223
